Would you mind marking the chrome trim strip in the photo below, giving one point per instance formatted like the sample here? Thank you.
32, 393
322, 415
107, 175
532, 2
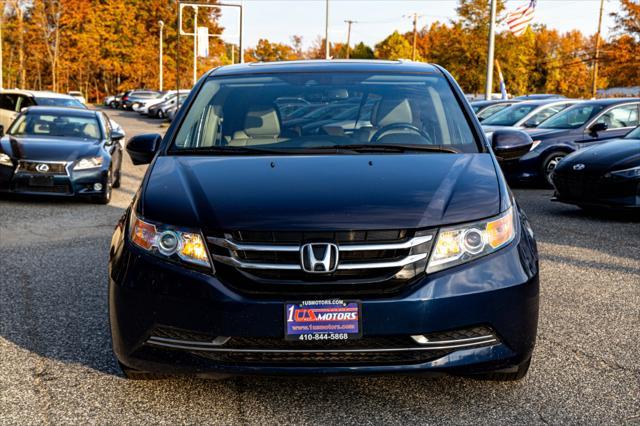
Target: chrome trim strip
232, 261
232, 245
398, 263
430, 348
218, 341
444, 342
415, 241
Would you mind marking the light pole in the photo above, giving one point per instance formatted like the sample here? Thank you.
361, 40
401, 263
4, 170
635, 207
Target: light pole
349, 22
596, 58
492, 39
160, 59
326, 31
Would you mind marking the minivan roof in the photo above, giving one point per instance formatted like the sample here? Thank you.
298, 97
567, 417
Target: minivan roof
76, 112
36, 93
333, 65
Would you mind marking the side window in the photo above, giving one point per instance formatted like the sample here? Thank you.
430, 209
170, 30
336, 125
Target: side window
9, 102
24, 102
619, 117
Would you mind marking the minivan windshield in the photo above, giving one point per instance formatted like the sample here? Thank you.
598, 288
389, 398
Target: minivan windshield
354, 111
55, 125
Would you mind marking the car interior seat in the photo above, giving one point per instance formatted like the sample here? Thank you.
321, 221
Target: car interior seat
261, 126
388, 111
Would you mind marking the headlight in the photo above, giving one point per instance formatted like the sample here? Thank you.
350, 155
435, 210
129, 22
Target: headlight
628, 173
462, 243
535, 144
88, 163
5, 160
169, 242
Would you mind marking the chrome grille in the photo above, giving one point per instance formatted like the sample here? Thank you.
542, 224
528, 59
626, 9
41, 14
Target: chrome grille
388, 258
55, 168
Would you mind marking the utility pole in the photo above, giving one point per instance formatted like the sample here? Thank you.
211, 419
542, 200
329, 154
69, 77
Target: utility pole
492, 39
415, 36
241, 43
195, 45
160, 59
349, 22
327, 52
596, 58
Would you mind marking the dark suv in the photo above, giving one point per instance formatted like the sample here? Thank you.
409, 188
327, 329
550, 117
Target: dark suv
391, 244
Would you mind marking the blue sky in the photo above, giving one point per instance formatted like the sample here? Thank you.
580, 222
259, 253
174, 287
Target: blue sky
278, 20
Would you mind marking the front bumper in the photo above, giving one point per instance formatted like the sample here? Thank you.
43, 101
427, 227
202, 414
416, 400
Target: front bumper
75, 183
598, 192
146, 294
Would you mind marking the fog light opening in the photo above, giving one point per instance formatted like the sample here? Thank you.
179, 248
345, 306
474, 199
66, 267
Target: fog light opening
97, 187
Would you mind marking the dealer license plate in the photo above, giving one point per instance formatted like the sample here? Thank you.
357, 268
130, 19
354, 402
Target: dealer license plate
317, 320
41, 181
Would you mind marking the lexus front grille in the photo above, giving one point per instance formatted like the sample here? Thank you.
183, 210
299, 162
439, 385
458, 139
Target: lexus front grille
47, 168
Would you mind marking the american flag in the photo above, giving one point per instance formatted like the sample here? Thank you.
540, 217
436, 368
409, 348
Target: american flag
519, 19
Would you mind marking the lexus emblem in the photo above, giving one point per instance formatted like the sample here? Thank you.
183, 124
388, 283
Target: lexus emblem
319, 258
579, 166
42, 168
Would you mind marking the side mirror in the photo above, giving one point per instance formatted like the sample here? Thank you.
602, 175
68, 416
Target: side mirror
598, 127
117, 135
510, 144
530, 124
143, 148
1, 130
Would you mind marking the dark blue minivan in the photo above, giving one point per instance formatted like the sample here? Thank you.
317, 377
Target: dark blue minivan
387, 243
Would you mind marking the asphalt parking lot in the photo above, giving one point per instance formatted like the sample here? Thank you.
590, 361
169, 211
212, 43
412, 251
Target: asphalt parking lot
56, 364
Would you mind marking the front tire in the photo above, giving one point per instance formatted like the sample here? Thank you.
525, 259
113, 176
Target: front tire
160, 114
132, 374
550, 163
500, 376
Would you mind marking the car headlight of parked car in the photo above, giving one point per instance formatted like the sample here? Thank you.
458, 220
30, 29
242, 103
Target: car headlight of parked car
463, 243
535, 144
5, 160
169, 242
631, 173
88, 163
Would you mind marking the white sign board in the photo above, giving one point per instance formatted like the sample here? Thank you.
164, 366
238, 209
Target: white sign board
203, 42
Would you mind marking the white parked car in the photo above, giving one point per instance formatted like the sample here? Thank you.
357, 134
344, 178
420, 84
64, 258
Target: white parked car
79, 96
12, 101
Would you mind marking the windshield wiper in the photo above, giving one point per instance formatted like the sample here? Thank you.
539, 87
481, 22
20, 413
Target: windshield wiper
389, 148
231, 150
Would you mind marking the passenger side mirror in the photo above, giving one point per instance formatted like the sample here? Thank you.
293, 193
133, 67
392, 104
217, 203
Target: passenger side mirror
143, 148
598, 127
510, 144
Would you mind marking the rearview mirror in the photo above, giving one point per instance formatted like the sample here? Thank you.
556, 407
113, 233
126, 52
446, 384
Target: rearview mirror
598, 127
143, 148
510, 144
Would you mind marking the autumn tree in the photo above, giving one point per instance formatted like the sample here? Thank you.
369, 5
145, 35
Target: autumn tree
266, 51
395, 46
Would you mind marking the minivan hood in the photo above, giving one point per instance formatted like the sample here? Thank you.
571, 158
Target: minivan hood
318, 192
48, 149
539, 133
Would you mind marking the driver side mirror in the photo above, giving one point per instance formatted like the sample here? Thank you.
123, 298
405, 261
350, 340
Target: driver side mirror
510, 144
143, 148
117, 135
598, 127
